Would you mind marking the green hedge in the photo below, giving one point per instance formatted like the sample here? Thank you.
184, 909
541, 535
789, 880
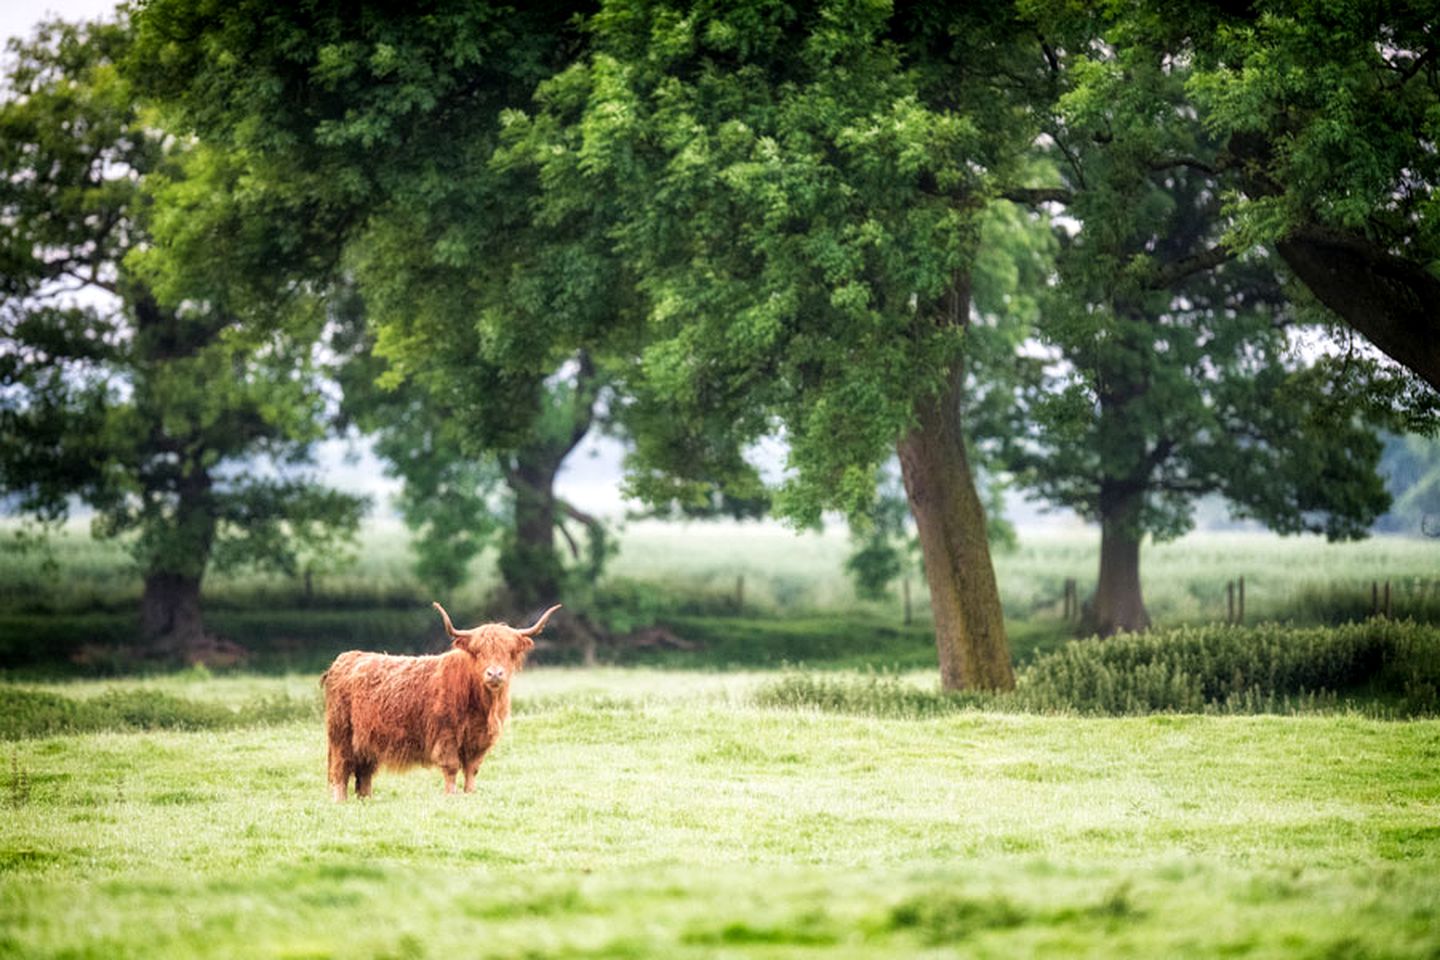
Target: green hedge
1381, 667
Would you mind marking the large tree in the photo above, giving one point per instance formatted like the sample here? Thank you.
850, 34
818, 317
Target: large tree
1178, 372
150, 410
381, 125
797, 193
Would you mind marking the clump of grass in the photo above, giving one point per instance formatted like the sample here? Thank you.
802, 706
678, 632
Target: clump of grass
874, 694
37, 713
948, 919
19, 782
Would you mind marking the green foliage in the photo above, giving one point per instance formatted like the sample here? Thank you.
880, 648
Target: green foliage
1179, 374
160, 413
1260, 669
275, 640
1382, 667
1348, 85
793, 222
875, 694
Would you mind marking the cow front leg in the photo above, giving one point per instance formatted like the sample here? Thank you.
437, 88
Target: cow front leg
446, 755
471, 768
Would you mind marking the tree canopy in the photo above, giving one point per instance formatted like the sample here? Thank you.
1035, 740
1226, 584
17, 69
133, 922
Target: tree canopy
151, 411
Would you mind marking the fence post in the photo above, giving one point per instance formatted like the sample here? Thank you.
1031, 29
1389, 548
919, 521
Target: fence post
1240, 612
905, 589
1374, 598
1230, 602
1388, 611
740, 593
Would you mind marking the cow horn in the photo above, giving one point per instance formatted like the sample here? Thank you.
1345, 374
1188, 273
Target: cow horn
539, 624
449, 627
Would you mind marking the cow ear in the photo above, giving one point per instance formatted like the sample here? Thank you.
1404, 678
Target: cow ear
526, 643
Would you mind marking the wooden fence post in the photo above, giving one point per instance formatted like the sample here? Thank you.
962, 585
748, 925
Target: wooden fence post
1388, 611
1374, 598
905, 589
740, 593
1240, 611
1230, 602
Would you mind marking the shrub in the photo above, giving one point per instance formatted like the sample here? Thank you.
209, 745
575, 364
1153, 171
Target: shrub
1263, 669
1382, 667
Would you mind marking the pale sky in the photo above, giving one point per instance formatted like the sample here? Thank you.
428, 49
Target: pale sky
18, 17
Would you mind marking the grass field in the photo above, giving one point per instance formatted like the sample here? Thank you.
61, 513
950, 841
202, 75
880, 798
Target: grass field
637, 813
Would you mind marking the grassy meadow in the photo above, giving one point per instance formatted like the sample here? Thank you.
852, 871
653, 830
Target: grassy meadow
793, 787
646, 813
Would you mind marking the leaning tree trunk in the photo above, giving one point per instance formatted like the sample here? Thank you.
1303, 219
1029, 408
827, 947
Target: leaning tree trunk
1118, 604
969, 622
1392, 300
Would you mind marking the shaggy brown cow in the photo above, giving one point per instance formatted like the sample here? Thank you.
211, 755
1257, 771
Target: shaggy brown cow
445, 710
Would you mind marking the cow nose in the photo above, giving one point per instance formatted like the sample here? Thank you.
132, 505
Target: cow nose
494, 674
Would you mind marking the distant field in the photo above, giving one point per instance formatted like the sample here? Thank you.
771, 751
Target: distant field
663, 814
1301, 578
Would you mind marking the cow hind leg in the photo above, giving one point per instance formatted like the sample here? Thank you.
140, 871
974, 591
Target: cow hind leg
342, 767
364, 773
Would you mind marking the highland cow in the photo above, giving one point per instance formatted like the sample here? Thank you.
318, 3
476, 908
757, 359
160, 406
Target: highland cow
445, 711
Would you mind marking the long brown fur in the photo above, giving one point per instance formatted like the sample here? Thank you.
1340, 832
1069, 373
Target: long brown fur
401, 712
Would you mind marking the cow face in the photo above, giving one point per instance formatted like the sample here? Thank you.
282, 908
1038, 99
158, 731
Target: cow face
499, 650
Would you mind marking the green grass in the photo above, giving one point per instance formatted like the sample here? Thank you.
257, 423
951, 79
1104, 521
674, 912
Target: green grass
643, 813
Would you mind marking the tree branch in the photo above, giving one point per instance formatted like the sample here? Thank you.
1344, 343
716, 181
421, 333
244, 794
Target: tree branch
1194, 163
1034, 196
1177, 270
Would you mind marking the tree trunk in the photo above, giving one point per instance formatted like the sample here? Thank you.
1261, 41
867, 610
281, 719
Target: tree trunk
170, 618
528, 560
1119, 604
969, 622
